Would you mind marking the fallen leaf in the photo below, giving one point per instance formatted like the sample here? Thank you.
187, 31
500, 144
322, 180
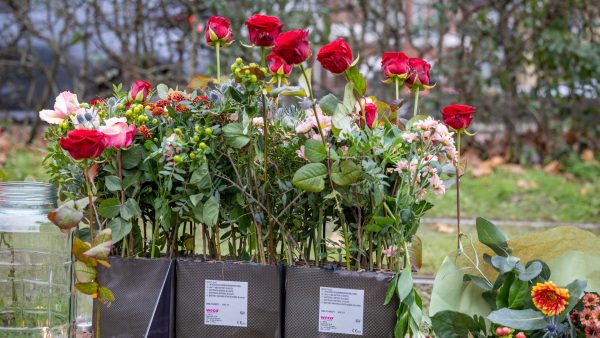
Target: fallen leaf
444, 228
552, 167
587, 156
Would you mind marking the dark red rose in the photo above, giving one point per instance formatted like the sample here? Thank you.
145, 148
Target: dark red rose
96, 101
370, 114
263, 29
395, 64
140, 90
458, 116
278, 66
218, 30
419, 74
83, 143
335, 56
293, 46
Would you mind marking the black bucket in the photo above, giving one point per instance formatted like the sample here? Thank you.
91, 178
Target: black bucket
144, 291
337, 303
228, 299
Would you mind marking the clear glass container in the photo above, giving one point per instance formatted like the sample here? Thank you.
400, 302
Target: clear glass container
35, 264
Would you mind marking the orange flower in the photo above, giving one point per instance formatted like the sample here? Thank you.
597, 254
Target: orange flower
596, 316
549, 299
586, 317
590, 300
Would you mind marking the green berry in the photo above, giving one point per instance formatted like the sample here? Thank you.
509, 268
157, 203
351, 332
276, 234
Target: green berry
233, 67
208, 131
253, 65
178, 131
247, 72
120, 106
196, 138
154, 121
239, 61
155, 139
128, 112
253, 78
202, 146
193, 156
177, 158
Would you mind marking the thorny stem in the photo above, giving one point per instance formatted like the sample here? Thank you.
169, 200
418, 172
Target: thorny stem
337, 202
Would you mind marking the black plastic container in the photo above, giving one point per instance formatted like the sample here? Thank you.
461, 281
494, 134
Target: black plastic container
144, 291
228, 299
337, 303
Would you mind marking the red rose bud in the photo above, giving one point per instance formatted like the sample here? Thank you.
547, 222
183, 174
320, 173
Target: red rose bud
293, 46
139, 90
418, 78
335, 56
370, 114
278, 66
458, 116
395, 64
96, 101
218, 30
263, 29
83, 143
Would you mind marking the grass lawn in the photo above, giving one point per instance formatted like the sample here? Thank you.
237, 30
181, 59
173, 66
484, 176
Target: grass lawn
532, 195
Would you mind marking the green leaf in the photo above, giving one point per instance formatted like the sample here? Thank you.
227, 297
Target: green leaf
234, 135
532, 270
345, 173
360, 85
288, 91
315, 150
120, 228
87, 288
113, 183
132, 157
391, 289
526, 320
109, 208
329, 104
83, 272
105, 294
201, 177
130, 209
302, 80
195, 199
310, 177
491, 236
405, 284
450, 324
401, 328
162, 91
210, 211
504, 264
479, 281
576, 289
504, 291
349, 98
519, 290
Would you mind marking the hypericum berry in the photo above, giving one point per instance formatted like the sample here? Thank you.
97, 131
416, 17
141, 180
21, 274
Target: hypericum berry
196, 138
239, 61
178, 132
154, 121
145, 132
208, 131
177, 158
192, 155
253, 78
202, 146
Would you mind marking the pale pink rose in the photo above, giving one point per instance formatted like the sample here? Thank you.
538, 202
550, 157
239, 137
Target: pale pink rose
300, 153
410, 137
306, 125
118, 134
258, 121
66, 104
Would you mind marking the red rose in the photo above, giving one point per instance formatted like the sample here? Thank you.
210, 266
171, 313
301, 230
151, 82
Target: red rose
458, 116
278, 66
335, 56
218, 30
419, 74
263, 29
140, 90
293, 46
370, 114
83, 143
395, 64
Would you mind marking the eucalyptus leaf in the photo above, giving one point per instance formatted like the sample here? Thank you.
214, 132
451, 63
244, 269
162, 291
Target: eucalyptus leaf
526, 320
491, 236
532, 270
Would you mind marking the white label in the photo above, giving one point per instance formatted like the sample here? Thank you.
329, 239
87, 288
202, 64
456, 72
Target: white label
225, 303
341, 310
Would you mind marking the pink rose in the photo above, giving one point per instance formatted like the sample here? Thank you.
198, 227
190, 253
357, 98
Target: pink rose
66, 104
117, 133
140, 90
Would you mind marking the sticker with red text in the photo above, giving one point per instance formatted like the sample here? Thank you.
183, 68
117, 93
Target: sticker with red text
225, 303
341, 310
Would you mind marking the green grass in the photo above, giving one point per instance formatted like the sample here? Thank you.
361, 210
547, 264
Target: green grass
24, 164
548, 198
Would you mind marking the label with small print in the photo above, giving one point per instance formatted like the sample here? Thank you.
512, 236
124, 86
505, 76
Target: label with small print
341, 310
225, 303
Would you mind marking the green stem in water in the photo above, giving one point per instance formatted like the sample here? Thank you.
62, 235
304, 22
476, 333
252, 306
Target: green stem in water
416, 102
218, 47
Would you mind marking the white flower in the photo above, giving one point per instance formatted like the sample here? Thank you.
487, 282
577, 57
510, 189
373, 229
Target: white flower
437, 184
402, 165
258, 121
410, 137
427, 124
65, 105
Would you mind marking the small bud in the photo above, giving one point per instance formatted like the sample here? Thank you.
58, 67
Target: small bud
154, 121
196, 138
202, 146
177, 158
192, 155
208, 131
